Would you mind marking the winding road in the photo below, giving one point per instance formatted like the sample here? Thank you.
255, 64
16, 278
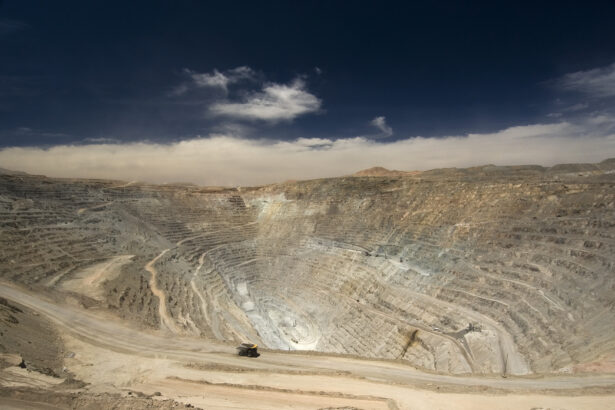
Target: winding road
204, 372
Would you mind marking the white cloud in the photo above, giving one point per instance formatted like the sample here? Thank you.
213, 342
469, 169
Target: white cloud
381, 124
241, 73
598, 82
215, 79
276, 102
224, 160
603, 119
272, 102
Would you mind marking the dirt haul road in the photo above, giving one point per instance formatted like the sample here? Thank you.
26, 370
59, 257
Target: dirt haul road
112, 357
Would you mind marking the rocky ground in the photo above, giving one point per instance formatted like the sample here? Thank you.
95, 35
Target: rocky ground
489, 271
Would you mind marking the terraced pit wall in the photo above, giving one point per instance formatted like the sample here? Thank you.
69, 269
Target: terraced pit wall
483, 270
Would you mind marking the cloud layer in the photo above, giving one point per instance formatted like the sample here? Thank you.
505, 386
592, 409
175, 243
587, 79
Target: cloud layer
223, 160
597, 82
276, 102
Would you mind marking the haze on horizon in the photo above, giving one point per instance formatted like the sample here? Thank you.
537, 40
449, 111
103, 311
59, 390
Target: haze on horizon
189, 92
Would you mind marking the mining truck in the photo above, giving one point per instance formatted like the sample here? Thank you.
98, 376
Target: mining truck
247, 349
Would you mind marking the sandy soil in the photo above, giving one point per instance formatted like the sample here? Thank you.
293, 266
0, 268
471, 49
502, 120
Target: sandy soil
89, 281
114, 359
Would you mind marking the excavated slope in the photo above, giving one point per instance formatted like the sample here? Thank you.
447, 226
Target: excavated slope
484, 270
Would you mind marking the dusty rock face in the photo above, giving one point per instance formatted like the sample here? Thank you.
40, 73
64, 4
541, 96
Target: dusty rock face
486, 270
29, 340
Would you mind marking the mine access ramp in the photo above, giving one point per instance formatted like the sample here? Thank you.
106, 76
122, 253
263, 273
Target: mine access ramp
248, 349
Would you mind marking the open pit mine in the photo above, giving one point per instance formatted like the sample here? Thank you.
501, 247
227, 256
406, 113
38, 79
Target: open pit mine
486, 287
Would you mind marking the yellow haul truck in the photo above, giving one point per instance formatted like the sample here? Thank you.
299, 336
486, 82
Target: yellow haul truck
247, 349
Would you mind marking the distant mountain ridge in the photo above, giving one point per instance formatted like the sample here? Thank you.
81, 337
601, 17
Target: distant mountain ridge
605, 165
383, 172
4, 171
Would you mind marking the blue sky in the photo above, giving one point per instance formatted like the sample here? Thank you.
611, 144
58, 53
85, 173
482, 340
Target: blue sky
291, 90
